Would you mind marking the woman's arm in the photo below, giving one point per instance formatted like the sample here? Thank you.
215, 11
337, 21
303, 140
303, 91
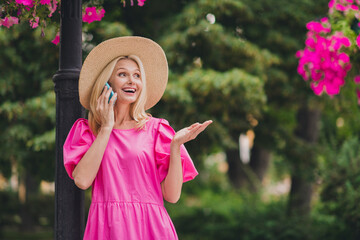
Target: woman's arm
172, 184
87, 168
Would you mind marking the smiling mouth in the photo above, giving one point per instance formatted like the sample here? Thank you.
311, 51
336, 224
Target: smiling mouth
129, 90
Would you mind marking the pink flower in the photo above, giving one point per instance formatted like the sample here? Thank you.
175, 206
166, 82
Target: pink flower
141, 2
339, 40
45, 2
340, 7
299, 53
310, 42
9, 21
317, 87
317, 27
331, 3
24, 2
52, 8
357, 79
322, 61
34, 23
333, 87
56, 39
358, 95
91, 14
354, 7
358, 41
101, 14
344, 57
324, 20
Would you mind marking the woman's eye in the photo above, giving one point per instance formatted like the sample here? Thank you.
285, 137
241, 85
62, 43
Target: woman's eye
136, 75
122, 74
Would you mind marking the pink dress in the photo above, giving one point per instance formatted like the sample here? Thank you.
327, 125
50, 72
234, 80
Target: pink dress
127, 201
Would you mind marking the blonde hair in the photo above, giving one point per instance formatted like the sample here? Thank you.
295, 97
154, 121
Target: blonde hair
137, 109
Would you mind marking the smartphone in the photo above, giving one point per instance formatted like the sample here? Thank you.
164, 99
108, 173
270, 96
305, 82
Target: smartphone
112, 92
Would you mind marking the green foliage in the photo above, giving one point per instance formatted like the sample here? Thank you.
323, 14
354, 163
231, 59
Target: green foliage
27, 102
40, 208
201, 94
97, 32
8, 209
239, 71
228, 215
216, 74
340, 195
193, 37
342, 115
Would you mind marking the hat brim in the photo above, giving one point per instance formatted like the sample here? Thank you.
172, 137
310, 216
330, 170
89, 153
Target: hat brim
150, 53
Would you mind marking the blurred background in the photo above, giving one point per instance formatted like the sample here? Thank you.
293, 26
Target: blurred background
278, 162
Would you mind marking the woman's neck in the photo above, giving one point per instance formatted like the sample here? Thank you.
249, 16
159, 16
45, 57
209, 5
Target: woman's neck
122, 115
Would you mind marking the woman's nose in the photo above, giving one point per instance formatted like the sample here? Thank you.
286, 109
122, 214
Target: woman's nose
130, 80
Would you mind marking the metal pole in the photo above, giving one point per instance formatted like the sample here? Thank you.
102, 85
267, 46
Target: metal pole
69, 200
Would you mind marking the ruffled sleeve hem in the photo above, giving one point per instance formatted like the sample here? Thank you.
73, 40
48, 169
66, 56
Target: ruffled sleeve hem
76, 144
164, 137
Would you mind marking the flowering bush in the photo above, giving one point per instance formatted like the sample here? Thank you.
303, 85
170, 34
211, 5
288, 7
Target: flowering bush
92, 14
40, 12
330, 48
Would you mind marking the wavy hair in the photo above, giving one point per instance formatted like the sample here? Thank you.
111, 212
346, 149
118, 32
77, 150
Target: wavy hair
137, 109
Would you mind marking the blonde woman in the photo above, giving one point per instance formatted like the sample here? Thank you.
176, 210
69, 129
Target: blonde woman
132, 160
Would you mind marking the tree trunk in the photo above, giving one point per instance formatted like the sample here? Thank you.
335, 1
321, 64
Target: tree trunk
301, 184
242, 175
259, 163
300, 196
249, 175
31, 189
237, 176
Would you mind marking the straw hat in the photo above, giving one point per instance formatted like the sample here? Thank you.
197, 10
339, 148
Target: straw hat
150, 53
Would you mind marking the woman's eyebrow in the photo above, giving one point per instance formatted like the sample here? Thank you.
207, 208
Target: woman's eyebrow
127, 69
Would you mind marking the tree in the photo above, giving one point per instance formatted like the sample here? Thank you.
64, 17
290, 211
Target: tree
201, 38
27, 109
290, 105
331, 51
260, 38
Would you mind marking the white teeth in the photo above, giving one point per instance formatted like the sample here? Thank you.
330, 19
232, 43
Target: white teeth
129, 90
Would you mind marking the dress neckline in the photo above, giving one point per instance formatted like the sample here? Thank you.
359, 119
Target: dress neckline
130, 129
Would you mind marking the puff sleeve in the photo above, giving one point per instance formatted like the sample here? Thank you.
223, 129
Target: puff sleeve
165, 134
76, 144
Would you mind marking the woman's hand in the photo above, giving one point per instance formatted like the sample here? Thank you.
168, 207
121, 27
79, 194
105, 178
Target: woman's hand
106, 108
189, 133
172, 184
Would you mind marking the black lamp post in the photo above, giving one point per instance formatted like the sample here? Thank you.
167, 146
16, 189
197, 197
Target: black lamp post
69, 200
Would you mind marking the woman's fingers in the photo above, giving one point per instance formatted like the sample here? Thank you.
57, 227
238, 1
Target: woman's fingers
193, 126
104, 107
190, 133
107, 95
104, 97
113, 99
195, 129
200, 128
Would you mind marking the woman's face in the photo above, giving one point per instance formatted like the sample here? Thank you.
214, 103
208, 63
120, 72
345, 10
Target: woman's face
126, 81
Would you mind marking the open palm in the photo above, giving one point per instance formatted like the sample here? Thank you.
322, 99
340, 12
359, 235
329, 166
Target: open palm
189, 133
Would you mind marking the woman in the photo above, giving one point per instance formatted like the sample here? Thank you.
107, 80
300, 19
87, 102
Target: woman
132, 160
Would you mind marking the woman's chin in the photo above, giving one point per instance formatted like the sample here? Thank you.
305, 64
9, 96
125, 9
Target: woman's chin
125, 101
